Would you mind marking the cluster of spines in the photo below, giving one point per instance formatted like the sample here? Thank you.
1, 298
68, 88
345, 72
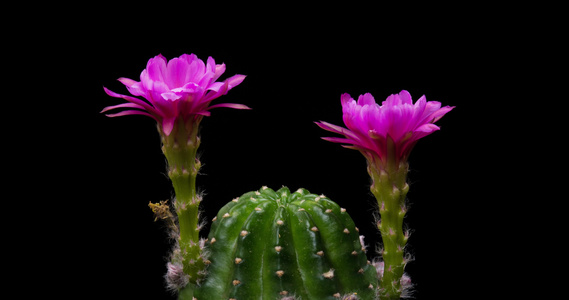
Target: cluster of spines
176, 278
257, 249
405, 284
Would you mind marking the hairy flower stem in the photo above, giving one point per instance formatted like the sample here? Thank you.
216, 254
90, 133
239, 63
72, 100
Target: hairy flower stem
180, 148
390, 188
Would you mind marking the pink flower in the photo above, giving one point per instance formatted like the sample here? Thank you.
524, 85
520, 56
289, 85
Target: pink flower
180, 88
387, 131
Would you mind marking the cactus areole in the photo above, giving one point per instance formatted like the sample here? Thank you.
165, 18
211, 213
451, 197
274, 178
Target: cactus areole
280, 245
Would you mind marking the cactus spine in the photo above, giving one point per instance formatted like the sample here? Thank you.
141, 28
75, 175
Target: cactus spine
279, 245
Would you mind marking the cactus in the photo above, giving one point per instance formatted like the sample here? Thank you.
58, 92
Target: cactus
278, 245
283, 245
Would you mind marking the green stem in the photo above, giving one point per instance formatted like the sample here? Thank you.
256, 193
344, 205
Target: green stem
180, 149
187, 293
390, 188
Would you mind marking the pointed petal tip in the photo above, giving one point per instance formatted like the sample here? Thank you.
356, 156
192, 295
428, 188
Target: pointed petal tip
203, 113
333, 128
130, 112
345, 98
326, 126
230, 105
107, 91
337, 140
123, 105
442, 112
427, 128
106, 109
168, 125
235, 80
127, 81
321, 124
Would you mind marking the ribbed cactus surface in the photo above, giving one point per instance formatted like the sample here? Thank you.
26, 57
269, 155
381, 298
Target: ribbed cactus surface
280, 245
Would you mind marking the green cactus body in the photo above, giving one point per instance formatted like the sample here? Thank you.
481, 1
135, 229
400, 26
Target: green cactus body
273, 245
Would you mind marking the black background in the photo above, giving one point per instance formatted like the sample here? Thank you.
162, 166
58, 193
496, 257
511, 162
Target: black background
298, 61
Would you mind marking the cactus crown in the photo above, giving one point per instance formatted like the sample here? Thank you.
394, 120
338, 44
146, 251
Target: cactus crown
274, 244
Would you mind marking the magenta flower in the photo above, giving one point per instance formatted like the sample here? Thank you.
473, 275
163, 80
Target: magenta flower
386, 131
180, 88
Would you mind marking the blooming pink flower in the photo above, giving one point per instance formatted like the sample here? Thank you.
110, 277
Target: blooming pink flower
389, 130
180, 88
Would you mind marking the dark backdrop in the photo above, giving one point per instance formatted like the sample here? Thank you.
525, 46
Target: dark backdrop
298, 62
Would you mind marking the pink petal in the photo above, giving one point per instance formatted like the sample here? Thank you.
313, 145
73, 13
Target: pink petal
168, 125
348, 143
345, 98
210, 66
215, 86
157, 87
354, 147
156, 67
216, 94
203, 113
190, 87
366, 99
170, 96
189, 58
430, 108
429, 127
405, 97
230, 105
418, 109
133, 87
177, 73
421, 103
330, 127
337, 129
196, 70
123, 105
391, 101
338, 140
228, 84
145, 105
235, 80
130, 112
219, 70
441, 112
127, 81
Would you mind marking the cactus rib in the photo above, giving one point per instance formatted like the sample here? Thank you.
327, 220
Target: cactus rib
274, 244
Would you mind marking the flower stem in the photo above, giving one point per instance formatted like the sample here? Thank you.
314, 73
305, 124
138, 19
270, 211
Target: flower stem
187, 293
390, 188
180, 148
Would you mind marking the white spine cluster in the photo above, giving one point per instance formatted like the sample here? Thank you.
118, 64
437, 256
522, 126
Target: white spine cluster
406, 284
175, 277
